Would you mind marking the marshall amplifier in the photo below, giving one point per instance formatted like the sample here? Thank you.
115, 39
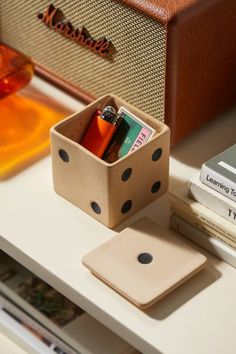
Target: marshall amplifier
174, 60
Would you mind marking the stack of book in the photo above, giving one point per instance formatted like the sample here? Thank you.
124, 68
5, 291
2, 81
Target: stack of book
204, 210
42, 320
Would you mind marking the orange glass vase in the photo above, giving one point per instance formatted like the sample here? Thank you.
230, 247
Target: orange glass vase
26, 118
24, 132
16, 71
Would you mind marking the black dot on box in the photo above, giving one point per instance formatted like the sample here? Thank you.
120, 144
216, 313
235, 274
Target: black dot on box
64, 155
157, 154
155, 187
126, 206
126, 174
96, 208
145, 258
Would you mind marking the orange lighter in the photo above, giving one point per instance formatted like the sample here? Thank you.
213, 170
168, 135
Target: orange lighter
100, 131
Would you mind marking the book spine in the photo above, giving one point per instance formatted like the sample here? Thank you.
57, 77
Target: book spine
205, 218
214, 246
21, 335
204, 227
35, 327
39, 317
213, 202
218, 182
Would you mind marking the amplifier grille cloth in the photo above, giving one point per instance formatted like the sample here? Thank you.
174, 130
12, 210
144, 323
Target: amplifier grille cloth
137, 72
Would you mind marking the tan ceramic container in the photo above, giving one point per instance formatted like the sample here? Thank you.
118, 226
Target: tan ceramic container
101, 189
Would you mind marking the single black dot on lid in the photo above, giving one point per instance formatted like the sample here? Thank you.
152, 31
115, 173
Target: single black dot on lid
157, 154
126, 174
156, 187
126, 206
145, 258
96, 208
64, 155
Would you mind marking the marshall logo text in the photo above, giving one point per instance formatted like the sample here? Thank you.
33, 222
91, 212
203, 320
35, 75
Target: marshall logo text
54, 18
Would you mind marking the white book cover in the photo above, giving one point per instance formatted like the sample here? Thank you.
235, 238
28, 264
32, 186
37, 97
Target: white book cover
219, 173
204, 240
213, 200
180, 200
58, 314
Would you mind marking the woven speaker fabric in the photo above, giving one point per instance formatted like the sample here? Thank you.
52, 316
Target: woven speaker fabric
137, 71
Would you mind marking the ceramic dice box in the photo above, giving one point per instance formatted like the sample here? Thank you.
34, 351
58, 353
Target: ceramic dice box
109, 192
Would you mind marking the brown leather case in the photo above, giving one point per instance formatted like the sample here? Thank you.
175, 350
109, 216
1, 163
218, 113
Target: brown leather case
174, 59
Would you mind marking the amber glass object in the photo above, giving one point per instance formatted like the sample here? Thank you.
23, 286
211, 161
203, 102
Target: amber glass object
24, 131
16, 71
25, 117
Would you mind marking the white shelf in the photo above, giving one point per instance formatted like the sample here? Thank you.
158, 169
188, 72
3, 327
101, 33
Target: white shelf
49, 236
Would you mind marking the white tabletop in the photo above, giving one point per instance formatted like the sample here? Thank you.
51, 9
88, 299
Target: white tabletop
49, 235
